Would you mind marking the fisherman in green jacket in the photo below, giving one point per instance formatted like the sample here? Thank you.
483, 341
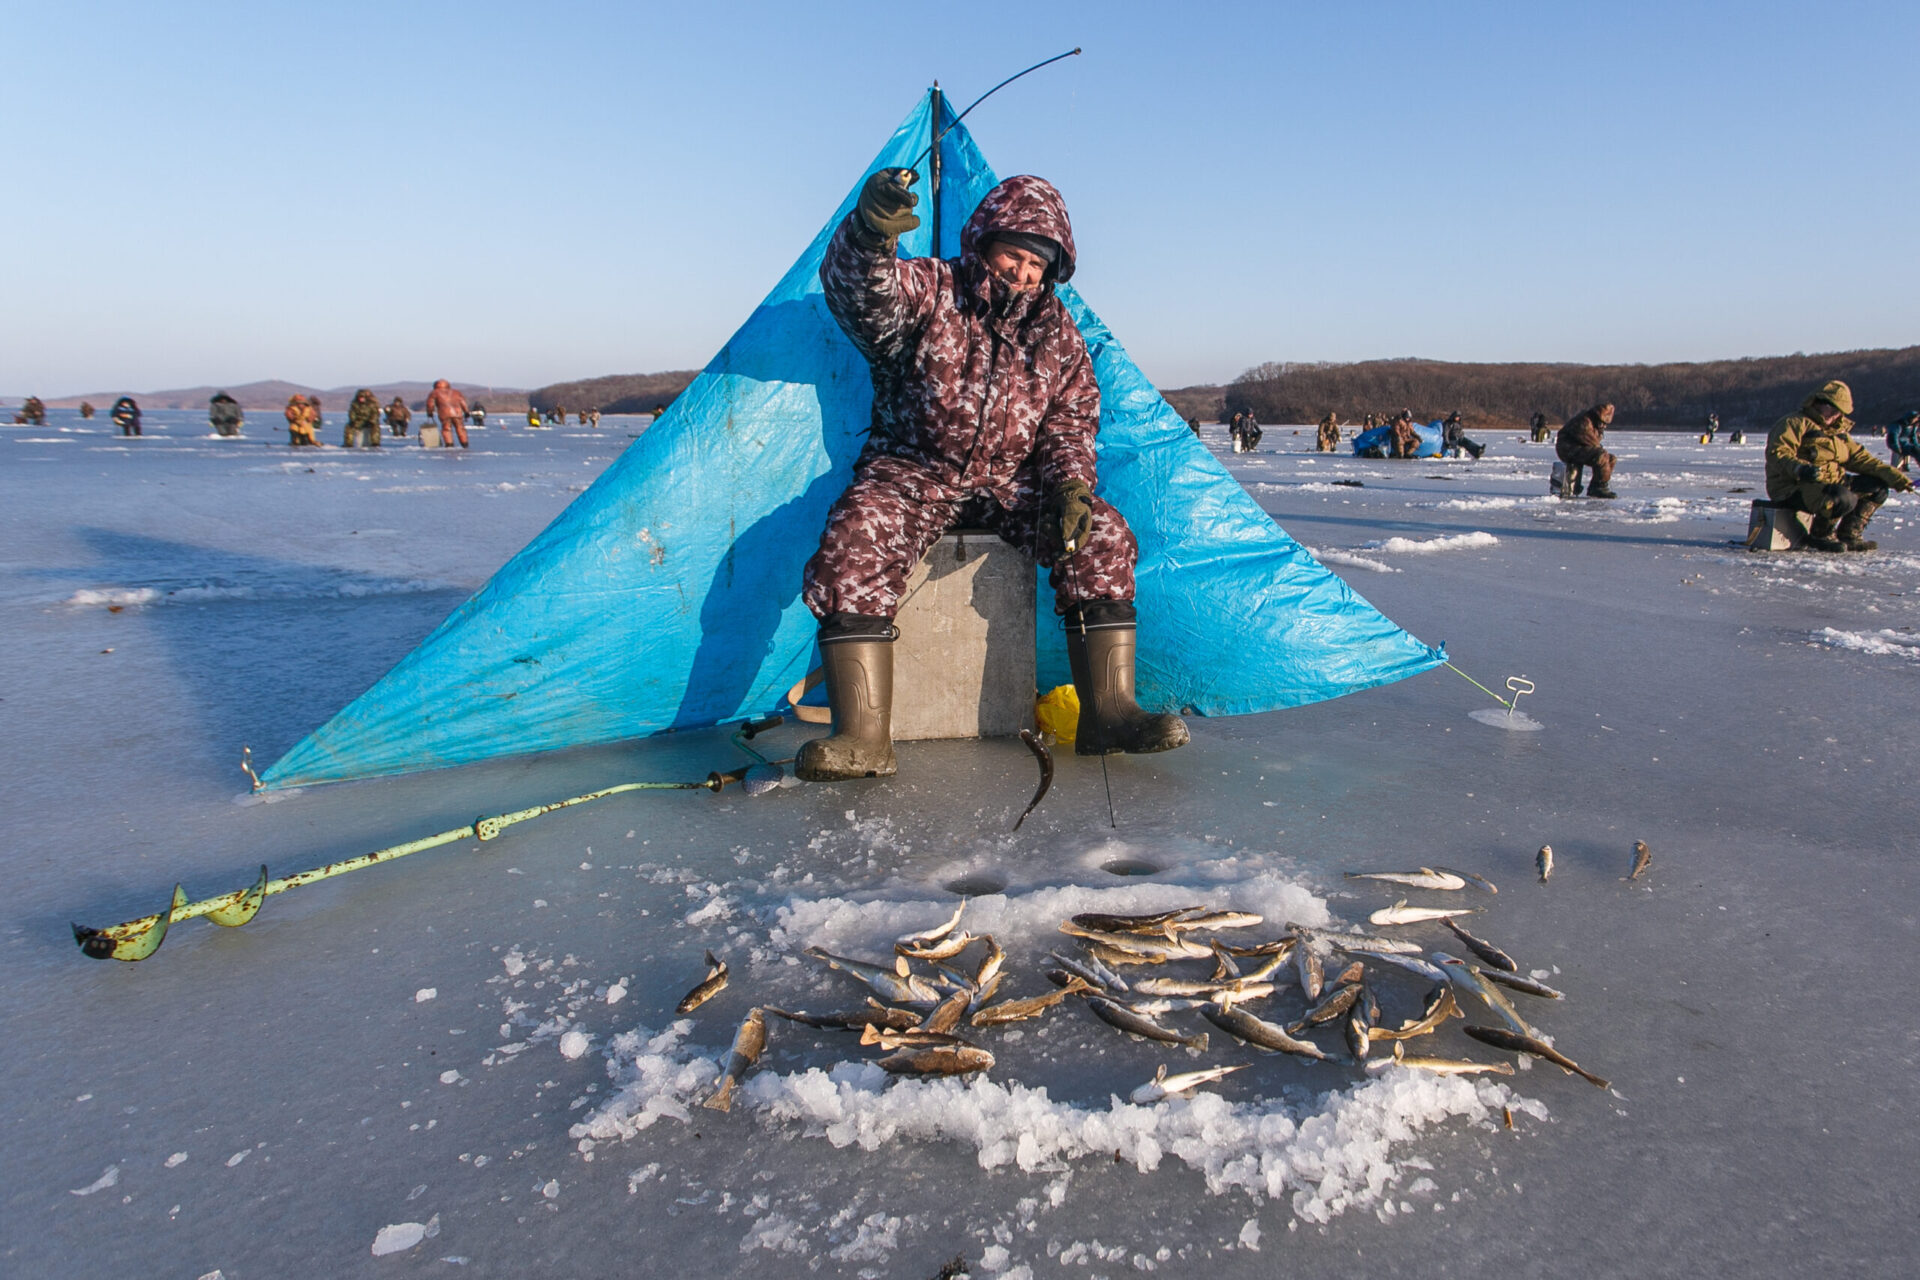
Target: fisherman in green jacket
1813, 464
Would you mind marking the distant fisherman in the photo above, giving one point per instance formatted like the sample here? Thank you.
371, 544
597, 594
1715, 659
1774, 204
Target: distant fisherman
126, 416
1541, 431
303, 422
224, 412
86, 410
985, 410
398, 416
1328, 438
1903, 438
33, 411
1816, 466
363, 421
1579, 446
450, 407
1453, 438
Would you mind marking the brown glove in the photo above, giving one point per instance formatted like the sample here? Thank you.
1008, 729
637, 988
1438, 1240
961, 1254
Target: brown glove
886, 205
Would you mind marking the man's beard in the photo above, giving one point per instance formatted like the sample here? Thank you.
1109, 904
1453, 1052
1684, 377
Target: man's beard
1004, 302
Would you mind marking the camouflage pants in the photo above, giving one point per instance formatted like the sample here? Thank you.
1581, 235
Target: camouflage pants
894, 511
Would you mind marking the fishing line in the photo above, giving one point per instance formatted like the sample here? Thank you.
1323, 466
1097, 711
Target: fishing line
983, 97
1482, 688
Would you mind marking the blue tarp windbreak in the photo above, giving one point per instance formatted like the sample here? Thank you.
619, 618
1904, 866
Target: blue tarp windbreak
667, 595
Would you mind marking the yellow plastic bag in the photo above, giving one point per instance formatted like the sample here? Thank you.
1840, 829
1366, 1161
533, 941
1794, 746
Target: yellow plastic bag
1058, 713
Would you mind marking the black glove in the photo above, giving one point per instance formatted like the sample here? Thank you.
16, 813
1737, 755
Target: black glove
1806, 473
886, 205
1832, 491
1073, 507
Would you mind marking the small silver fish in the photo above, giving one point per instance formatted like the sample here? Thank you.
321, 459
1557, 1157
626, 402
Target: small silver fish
1642, 859
1485, 950
1165, 1086
941, 949
1100, 922
888, 984
1401, 913
1238, 988
990, 968
707, 988
1413, 964
1120, 1016
1501, 1038
1442, 1066
1091, 970
1279, 949
748, 1042
1424, 878
1361, 944
1544, 861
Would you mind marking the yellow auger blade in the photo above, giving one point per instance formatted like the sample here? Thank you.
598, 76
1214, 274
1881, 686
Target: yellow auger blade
135, 940
245, 906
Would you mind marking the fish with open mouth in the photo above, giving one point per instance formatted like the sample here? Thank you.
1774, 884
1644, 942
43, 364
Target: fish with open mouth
707, 988
748, 1043
1501, 1038
1165, 1086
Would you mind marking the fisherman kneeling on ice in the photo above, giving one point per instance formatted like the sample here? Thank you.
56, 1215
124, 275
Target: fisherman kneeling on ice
1816, 466
985, 409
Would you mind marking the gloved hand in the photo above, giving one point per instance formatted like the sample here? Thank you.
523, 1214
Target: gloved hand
1073, 507
885, 203
1806, 473
1832, 491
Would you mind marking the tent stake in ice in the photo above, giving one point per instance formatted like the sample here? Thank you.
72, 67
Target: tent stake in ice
138, 939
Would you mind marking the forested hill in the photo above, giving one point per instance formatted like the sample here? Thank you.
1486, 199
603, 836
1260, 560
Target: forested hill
615, 393
1751, 392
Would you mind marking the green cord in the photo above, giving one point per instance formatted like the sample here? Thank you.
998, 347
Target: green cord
1482, 688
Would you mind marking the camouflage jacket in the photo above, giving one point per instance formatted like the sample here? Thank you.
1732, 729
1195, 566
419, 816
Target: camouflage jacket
971, 383
363, 412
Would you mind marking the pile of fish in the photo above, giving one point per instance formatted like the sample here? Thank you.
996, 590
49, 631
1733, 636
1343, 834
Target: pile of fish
1191, 962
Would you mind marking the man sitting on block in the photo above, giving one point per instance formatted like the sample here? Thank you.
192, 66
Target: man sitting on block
1816, 466
985, 409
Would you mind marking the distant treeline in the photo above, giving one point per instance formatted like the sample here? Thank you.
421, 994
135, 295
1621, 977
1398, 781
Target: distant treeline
1752, 392
615, 393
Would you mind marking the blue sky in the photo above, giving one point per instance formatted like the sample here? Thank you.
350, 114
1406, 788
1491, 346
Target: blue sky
524, 193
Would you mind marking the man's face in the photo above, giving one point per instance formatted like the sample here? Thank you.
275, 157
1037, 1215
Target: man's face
1606, 414
1019, 269
1826, 413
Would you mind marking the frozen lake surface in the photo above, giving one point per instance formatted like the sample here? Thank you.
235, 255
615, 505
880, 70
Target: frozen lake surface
468, 1062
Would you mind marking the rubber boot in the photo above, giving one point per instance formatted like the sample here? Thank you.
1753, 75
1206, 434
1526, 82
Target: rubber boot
1101, 658
1854, 526
1598, 489
1820, 537
859, 671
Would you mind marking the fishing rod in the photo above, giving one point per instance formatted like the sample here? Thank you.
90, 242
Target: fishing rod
988, 94
137, 939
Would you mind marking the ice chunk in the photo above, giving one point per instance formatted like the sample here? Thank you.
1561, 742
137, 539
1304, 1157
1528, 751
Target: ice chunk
398, 1237
574, 1043
108, 1178
425, 994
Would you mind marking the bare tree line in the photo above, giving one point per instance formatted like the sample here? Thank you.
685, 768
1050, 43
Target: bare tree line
1751, 392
